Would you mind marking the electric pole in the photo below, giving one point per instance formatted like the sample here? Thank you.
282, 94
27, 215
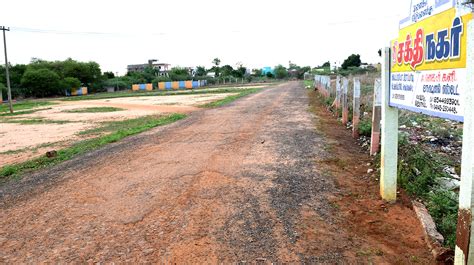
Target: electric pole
2, 28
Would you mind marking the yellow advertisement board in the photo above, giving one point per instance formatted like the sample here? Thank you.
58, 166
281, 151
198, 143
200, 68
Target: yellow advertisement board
437, 42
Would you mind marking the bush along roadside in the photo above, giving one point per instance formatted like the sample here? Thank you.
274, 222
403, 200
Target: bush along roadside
122, 129
428, 168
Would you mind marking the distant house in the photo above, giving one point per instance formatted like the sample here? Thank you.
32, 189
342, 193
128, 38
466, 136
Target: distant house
162, 68
268, 69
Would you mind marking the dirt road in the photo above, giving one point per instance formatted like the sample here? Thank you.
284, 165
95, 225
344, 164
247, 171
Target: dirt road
241, 183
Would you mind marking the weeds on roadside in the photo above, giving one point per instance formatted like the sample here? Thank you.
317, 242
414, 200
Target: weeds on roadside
419, 172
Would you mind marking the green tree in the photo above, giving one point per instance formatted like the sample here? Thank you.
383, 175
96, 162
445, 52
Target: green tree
326, 65
216, 62
41, 83
71, 82
216, 69
201, 71
239, 72
281, 72
227, 70
257, 72
3, 91
351, 61
179, 74
109, 75
269, 75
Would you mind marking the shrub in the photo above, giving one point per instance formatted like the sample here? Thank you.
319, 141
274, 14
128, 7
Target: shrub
71, 82
365, 127
41, 83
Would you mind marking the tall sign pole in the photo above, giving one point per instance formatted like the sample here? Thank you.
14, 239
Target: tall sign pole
2, 28
464, 253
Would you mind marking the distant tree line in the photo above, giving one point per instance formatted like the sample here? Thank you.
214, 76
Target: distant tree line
41, 78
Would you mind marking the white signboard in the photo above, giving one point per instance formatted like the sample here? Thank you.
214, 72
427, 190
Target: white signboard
421, 9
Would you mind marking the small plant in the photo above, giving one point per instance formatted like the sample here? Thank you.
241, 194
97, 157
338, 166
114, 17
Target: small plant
365, 127
443, 207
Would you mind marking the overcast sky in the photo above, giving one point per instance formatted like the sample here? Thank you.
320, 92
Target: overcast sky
190, 33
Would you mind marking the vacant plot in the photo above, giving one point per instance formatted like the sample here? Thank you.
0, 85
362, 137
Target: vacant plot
42, 126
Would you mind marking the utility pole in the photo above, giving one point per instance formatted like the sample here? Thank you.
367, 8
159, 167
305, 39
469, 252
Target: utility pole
2, 28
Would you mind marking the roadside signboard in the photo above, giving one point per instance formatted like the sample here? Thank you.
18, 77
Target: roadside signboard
428, 62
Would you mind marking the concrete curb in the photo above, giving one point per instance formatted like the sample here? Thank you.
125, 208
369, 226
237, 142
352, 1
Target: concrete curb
433, 238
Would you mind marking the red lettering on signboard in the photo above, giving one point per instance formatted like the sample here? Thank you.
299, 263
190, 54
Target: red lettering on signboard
418, 52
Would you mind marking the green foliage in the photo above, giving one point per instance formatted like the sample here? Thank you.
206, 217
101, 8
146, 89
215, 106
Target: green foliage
418, 169
41, 83
308, 84
326, 65
87, 73
216, 61
122, 130
269, 75
418, 173
109, 75
443, 207
280, 72
71, 82
16, 73
24, 105
257, 72
296, 71
120, 82
3, 91
201, 71
226, 70
365, 127
239, 72
352, 60
179, 74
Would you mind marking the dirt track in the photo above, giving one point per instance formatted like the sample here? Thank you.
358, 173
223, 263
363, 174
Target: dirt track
245, 182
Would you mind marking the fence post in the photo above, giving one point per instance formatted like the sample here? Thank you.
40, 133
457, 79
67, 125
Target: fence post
356, 108
464, 253
345, 101
389, 141
338, 95
376, 117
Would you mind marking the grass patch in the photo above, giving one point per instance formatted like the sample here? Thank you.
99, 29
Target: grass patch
32, 149
418, 173
229, 99
125, 94
24, 105
129, 127
33, 121
308, 83
94, 110
16, 113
